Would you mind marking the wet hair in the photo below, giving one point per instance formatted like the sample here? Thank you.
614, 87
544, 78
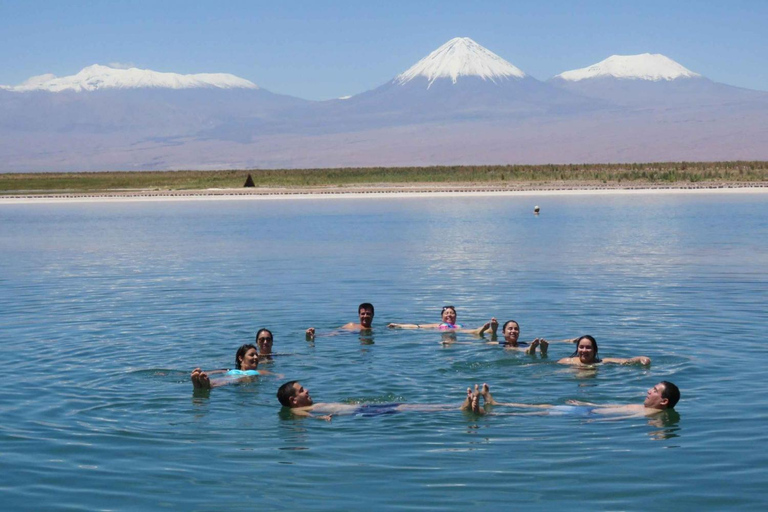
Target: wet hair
241, 353
594, 346
503, 327
365, 305
286, 392
261, 331
671, 393
447, 307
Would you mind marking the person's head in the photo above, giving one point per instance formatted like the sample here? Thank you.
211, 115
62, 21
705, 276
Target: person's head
247, 357
663, 395
448, 314
511, 331
292, 394
264, 340
586, 350
365, 312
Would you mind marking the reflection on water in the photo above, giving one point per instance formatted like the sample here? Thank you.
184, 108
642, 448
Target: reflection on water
106, 308
668, 425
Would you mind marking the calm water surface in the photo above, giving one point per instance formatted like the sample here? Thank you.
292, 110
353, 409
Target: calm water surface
105, 308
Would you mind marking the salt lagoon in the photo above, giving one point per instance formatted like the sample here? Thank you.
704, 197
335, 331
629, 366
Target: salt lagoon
106, 306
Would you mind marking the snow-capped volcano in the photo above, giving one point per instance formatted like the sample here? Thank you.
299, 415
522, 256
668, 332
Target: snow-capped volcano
98, 77
653, 67
460, 56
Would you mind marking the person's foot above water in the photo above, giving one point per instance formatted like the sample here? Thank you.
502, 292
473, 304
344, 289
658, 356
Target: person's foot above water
200, 379
486, 393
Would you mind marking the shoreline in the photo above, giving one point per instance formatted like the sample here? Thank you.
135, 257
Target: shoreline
383, 191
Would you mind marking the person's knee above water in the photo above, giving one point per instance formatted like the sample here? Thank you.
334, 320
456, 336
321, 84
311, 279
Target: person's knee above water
586, 354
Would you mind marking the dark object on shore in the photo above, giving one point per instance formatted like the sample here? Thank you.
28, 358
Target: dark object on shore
535, 208
249, 182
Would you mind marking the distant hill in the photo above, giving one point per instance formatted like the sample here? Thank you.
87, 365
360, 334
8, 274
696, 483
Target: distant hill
461, 104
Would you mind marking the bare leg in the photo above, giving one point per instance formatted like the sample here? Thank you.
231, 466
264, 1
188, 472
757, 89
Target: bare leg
532, 347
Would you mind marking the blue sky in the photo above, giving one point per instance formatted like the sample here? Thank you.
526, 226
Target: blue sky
325, 49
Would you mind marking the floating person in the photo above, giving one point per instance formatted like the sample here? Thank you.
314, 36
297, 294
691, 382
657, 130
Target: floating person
586, 354
264, 340
661, 397
296, 397
536, 210
511, 332
448, 316
365, 316
246, 361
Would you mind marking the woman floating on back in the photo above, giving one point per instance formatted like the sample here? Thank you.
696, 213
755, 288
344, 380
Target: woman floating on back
511, 332
586, 354
448, 317
247, 362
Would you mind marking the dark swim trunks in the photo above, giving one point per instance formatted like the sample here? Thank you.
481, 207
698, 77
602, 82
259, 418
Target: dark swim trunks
370, 410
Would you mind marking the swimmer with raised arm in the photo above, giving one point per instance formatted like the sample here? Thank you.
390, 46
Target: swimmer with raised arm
247, 362
448, 317
296, 397
659, 398
586, 354
365, 315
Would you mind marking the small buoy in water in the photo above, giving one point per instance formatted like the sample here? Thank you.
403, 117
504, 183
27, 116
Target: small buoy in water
536, 210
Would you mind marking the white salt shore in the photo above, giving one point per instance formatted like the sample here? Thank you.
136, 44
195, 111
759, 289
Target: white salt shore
240, 194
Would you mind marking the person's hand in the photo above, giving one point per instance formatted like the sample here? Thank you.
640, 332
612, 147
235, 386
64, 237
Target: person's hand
393, 326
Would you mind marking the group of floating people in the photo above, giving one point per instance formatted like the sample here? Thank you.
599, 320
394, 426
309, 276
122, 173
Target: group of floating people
296, 398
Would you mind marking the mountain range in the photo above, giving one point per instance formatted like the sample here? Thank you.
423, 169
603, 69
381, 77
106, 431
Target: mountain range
461, 104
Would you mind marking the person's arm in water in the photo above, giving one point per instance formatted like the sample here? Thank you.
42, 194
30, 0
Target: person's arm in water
641, 360
305, 412
413, 326
267, 372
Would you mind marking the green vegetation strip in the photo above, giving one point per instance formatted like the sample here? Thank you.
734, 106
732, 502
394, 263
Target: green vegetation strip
651, 173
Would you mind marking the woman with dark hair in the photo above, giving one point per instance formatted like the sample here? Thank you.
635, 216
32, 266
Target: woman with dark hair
586, 354
246, 361
264, 341
448, 323
511, 332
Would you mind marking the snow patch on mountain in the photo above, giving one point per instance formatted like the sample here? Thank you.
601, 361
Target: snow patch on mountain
654, 67
460, 56
98, 77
